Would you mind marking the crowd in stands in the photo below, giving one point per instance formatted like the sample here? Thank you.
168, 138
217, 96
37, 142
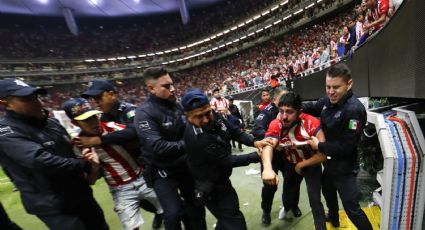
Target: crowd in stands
120, 36
277, 61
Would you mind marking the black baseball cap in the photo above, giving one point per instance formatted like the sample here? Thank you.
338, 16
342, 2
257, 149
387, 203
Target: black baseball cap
193, 99
96, 87
16, 87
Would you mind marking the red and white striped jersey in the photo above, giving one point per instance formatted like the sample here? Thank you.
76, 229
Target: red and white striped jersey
307, 127
381, 8
118, 165
219, 104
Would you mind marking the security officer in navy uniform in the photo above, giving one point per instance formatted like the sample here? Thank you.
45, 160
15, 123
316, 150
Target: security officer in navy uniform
343, 118
106, 98
36, 151
267, 115
114, 110
207, 139
160, 125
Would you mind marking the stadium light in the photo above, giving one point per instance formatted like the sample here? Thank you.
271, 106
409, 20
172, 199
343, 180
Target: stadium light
242, 24
226, 31
236, 40
151, 54
101, 59
256, 17
248, 21
242, 38
312, 4
89, 60
287, 17
219, 34
206, 40
208, 51
268, 26
233, 28
141, 55
265, 13
131, 57
175, 49
172, 61
284, 3
215, 48
182, 47
221, 46
319, 1
112, 59
298, 11
212, 37
274, 8
229, 43
43, 1
121, 58
167, 51
258, 31
249, 35
277, 22
164, 63
159, 53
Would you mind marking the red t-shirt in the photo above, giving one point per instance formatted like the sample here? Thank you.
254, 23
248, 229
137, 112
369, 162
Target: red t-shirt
381, 8
262, 105
307, 127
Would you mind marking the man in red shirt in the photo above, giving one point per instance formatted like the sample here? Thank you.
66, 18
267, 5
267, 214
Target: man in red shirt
219, 103
290, 132
265, 100
376, 14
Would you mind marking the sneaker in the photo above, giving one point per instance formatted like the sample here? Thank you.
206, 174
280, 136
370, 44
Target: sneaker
265, 219
157, 221
297, 212
282, 213
335, 223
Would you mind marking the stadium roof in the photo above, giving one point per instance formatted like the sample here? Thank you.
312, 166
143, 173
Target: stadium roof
96, 8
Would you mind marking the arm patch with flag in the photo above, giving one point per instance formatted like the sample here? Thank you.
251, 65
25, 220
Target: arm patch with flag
131, 114
353, 124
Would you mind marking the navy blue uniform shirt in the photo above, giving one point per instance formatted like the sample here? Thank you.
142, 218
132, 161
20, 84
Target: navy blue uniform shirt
263, 120
122, 113
210, 153
342, 124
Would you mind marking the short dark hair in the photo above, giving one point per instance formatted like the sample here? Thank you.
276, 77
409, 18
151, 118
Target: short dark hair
339, 70
265, 90
291, 99
216, 90
153, 73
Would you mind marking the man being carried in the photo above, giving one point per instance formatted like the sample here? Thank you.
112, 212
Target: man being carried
121, 172
290, 131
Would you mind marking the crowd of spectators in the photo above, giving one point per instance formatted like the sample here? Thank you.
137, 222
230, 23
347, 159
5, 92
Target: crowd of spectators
283, 58
119, 36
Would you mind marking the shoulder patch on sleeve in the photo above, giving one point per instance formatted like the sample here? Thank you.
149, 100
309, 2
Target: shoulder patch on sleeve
131, 114
260, 117
6, 130
144, 125
353, 124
